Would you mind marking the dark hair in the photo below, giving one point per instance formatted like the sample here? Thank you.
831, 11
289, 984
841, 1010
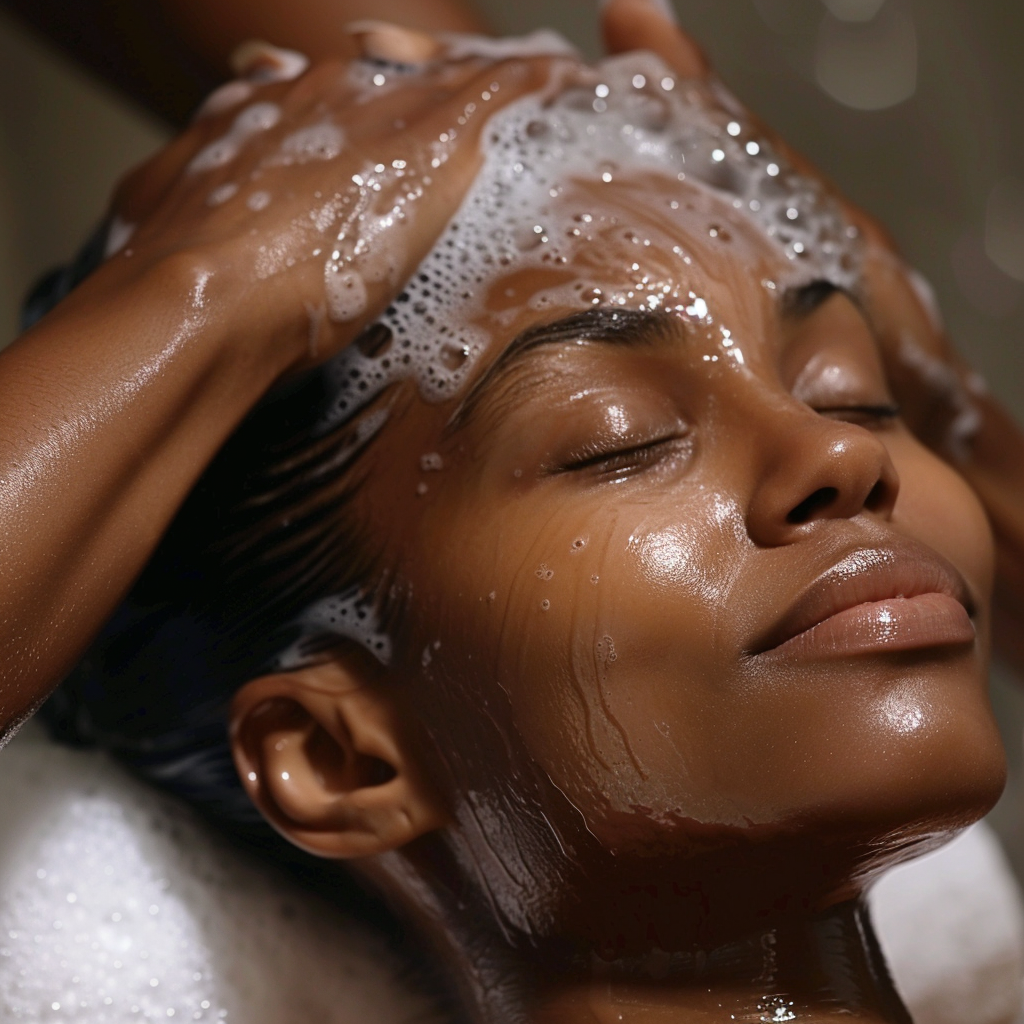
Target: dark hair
267, 532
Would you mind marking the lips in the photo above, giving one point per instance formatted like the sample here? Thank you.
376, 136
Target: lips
902, 596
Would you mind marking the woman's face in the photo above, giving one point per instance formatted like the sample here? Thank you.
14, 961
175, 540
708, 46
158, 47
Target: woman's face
684, 577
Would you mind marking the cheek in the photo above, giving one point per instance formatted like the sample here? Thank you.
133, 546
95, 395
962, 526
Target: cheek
612, 641
955, 524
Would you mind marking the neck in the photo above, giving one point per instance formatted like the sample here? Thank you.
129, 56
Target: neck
806, 969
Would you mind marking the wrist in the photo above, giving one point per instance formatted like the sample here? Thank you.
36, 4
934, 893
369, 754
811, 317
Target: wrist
191, 309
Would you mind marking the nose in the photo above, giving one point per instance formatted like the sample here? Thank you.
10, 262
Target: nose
813, 469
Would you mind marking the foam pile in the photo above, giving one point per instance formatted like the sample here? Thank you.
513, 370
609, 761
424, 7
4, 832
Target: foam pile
628, 115
117, 906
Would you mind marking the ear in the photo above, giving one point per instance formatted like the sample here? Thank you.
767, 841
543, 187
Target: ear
323, 754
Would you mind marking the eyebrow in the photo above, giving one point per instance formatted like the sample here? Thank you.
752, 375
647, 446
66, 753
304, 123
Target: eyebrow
799, 301
630, 328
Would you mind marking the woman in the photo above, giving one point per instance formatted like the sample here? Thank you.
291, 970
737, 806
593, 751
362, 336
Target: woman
609, 626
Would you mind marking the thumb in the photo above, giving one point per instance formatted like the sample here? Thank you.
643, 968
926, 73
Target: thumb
652, 25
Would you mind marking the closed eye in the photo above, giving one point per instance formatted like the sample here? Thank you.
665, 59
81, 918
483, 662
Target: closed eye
625, 462
862, 414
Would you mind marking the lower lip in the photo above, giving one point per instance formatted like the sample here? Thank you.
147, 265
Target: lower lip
896, 624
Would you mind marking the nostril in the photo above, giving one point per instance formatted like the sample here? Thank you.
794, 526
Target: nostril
820, 499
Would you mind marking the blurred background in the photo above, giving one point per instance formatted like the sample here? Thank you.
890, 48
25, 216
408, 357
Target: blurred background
914, 107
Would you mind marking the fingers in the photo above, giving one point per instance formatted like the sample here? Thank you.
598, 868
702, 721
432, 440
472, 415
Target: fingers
197, 195
358, 291
260, 62
380, 40
651, 25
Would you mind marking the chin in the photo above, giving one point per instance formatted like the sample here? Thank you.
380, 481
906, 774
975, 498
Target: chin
917, 786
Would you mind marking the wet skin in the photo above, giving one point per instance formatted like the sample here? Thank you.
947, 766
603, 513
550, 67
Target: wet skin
632, 783
599, 581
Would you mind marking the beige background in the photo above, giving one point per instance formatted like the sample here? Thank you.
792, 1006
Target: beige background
915, 107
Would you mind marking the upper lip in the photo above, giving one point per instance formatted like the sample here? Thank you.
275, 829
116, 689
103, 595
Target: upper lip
903, 568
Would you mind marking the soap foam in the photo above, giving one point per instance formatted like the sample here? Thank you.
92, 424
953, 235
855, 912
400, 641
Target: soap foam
926, 296
221, 194
943, 381
259, 200
232, 94
629, 116
322, 141
133, 951
350, 616
108, 886
267, 63
258, 117
543, 43
118, 235
346, 294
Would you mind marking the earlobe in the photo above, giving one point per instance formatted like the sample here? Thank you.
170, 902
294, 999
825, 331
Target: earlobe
322, 753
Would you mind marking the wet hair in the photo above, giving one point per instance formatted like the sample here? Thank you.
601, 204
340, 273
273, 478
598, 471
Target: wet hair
267, 532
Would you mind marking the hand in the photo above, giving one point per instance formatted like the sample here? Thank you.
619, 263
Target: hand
259, 241
295, 209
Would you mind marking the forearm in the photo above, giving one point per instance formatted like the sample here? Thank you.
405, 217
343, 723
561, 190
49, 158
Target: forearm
167, 54
112, 407
114, 404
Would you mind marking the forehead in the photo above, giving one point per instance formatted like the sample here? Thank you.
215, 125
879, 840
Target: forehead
617, 185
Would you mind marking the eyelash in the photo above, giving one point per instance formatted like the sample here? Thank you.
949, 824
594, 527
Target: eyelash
861, 413
622, 463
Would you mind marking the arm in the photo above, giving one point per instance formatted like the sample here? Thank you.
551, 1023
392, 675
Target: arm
167, 54
112, 406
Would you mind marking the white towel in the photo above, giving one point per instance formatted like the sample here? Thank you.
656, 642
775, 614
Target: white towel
117, 905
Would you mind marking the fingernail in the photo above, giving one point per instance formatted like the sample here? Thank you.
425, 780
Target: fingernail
380, 40
262, 62
229, 95
663, 6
